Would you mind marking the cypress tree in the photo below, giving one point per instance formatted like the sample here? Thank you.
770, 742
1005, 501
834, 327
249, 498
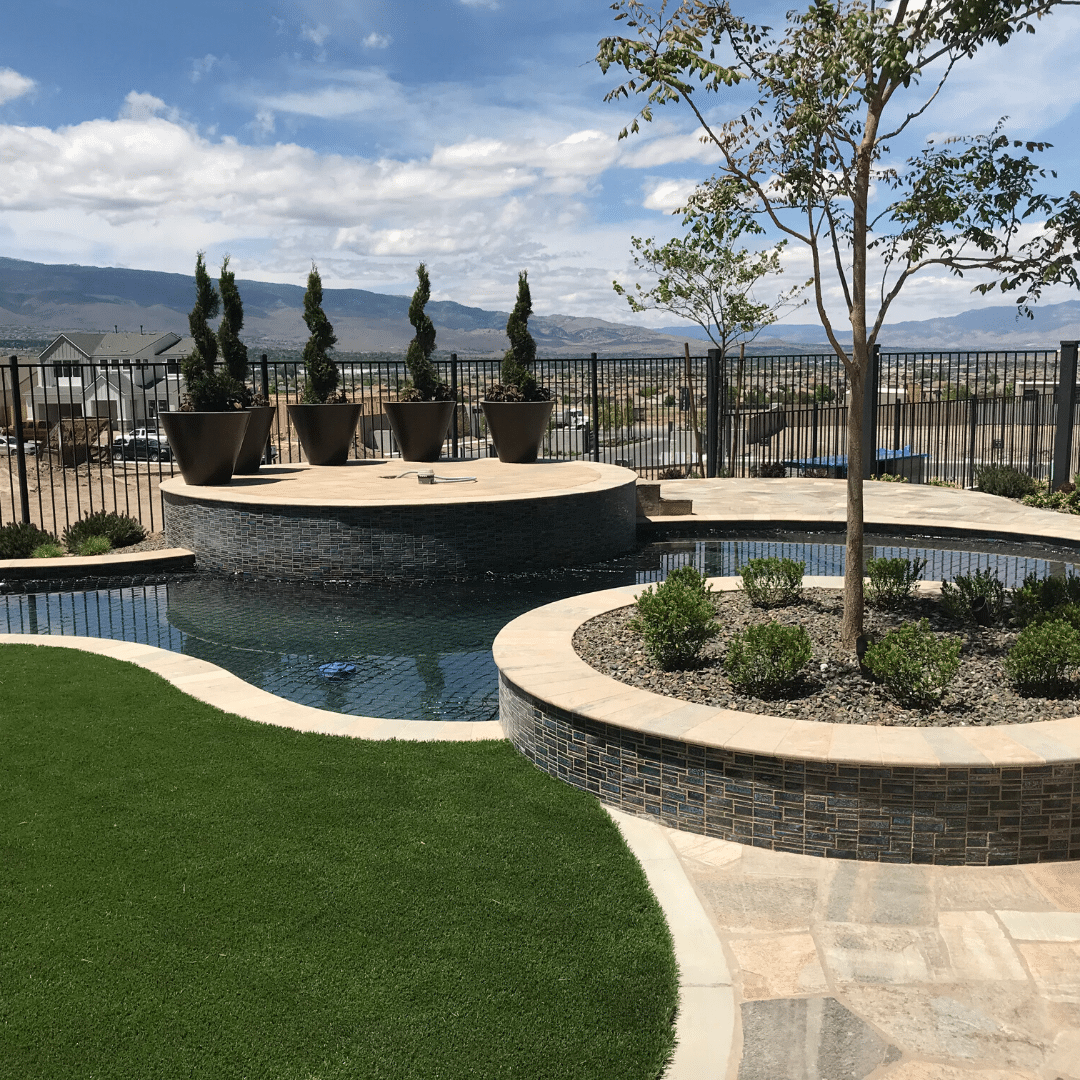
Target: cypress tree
322, 374
208, 390
233, 351
516, 370
425, 379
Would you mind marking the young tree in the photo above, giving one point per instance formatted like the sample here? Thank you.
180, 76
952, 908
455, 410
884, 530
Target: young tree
321, 379
233, 351
705, 276
840, 85
209, 389
425, 379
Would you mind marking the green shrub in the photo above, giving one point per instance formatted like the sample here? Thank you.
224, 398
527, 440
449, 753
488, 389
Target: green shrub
767, 660
1039, 597
1064, 502
892, 580
48, 550
891, 478
1004, 480
958, 597
677, 619
93, 545
914, 663
18, 540
772, 582
1039, 661
119, 529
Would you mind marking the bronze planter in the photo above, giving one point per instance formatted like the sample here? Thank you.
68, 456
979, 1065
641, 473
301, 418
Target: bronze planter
419, 427
205, 444
325, 431
516, 428
254, 446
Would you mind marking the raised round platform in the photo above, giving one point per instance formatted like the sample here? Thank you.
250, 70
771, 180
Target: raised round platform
363, 520
972, 796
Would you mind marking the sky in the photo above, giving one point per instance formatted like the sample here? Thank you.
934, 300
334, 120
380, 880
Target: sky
368, 135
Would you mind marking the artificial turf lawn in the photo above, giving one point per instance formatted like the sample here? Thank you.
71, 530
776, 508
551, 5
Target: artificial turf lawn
187, 893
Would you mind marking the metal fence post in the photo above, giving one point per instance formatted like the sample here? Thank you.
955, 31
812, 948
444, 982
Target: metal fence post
869, 413
1066, 409
20, 441
264, 389
712, 401
595, 407
453, 397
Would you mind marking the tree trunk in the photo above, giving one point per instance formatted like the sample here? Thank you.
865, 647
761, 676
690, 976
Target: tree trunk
852, 626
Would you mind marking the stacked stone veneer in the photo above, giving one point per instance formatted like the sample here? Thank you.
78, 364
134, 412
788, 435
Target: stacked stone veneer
970, 816
404, 541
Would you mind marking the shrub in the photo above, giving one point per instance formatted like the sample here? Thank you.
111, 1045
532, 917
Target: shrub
771, 470
425, 379
677, 619
767, 660
1064, 502
1039, 597
1004, 480
322, 376
772, 582
517, 381
978, 597
892, 580
48, 550
1039, 661
891, 478
119, 529
914, 664
93, 545
18, 540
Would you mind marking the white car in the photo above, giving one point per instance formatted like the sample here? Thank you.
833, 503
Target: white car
9, 445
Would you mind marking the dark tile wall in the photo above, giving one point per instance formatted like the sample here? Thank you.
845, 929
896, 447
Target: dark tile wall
386, 542
974, 817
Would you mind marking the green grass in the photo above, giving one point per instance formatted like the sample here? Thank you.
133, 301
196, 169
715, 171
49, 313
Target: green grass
184, 893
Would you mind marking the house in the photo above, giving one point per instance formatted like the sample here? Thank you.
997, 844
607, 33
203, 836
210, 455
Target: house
128, 377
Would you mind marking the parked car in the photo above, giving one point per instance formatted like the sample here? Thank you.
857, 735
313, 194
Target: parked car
140, 449
8, 444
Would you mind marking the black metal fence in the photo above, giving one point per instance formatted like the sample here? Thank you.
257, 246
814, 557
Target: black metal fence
90, 442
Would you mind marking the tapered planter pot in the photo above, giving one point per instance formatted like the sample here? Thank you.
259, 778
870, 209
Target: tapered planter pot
254, 446
419, 427
325, 431
516, 428
205, 444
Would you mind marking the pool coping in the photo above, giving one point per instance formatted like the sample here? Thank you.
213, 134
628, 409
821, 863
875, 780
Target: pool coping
120, 564
535, 653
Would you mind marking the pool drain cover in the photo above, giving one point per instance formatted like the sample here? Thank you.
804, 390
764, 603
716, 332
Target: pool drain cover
337, 670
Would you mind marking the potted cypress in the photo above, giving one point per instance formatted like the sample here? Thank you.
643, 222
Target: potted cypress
324, 418
235, 356
206, 434
517, 410
421, 417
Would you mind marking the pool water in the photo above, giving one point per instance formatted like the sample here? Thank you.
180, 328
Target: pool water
423, 652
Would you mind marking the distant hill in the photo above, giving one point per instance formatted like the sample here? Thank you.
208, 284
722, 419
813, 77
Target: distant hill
37, 300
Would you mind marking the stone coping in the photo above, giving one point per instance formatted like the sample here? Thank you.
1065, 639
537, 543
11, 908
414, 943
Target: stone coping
121, 564
535, 653
359, 483
226, 691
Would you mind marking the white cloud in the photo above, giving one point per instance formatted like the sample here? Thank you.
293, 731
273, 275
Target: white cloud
264, 123
491, 5
203, 67
377, 41
317, 35
13, 85
668, 195
145, 106
667, 150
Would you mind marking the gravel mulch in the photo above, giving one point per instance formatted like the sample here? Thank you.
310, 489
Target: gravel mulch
834, 689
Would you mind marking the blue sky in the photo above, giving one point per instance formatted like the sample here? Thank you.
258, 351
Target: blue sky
368, 135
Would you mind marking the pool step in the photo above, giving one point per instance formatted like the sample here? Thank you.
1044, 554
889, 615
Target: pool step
651, 504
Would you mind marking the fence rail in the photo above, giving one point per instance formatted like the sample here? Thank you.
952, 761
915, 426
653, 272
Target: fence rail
88, 434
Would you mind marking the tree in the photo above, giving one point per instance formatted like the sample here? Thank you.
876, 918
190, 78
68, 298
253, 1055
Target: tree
233, 351
209, 389
515, 374
321, 372
425, 379
834, 92
705, 276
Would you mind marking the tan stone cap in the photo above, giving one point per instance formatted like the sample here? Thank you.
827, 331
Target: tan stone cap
120, 563
536, 653
359, 483
224, 690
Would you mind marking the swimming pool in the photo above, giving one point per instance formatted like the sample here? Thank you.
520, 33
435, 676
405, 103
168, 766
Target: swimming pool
423, 652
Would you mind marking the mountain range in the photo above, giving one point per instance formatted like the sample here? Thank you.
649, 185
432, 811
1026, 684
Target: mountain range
38, 300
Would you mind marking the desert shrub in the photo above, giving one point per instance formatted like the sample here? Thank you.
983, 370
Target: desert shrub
1004, 480
676, 619
893, 579
1039, 597
914, 663
1039, 661
92, 545
119, 529
1063, 501
978, 597
18, 540
773, 470
772, 582
767, 660
890, 478
48, 550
